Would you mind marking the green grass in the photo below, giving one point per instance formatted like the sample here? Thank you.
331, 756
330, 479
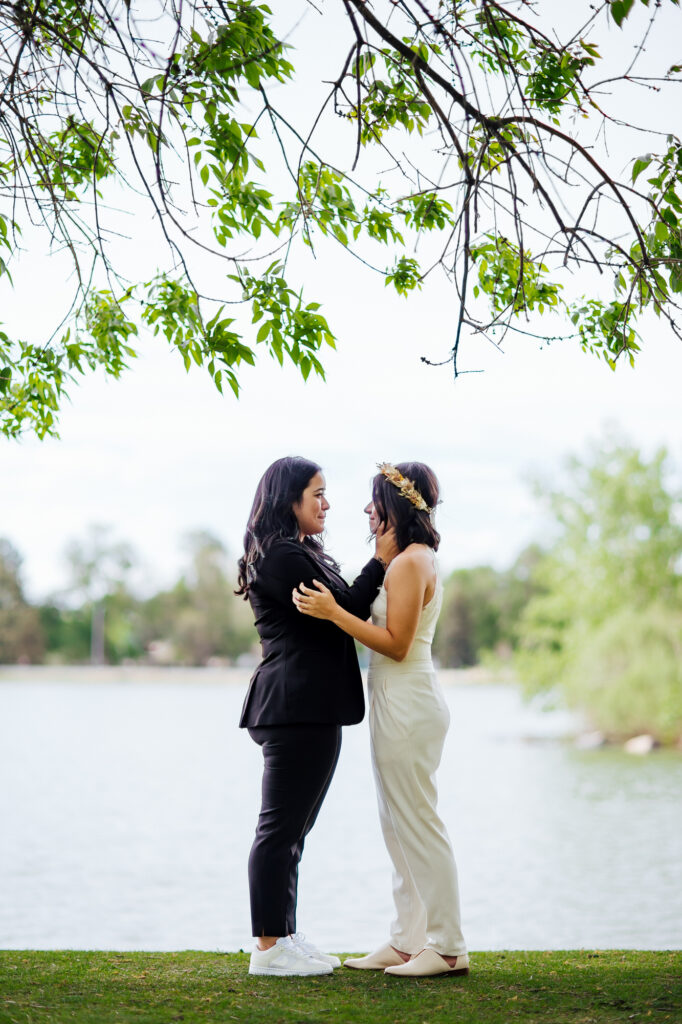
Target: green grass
576, 987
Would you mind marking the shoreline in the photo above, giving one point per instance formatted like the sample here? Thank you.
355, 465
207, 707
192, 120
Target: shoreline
232, 674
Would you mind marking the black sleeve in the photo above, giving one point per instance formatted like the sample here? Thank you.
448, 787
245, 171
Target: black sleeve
357, 598
288, 565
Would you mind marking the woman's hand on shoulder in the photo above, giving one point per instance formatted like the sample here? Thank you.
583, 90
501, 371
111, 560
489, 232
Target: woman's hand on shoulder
319, 604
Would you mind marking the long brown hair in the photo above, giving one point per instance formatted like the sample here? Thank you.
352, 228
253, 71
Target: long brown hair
411, 525
272, 517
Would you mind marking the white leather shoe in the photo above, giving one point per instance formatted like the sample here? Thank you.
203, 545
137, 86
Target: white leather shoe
428, 964
299, 940
285, 960
376, 961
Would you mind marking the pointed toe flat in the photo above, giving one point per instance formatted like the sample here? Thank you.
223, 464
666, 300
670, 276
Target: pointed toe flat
379, 960
428, 964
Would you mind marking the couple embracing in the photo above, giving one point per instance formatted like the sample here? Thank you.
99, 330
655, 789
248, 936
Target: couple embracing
308, 686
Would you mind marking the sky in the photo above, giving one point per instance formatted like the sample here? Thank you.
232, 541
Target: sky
161, 452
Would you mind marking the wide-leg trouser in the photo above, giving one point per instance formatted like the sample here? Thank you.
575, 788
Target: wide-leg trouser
409, 720
298, 765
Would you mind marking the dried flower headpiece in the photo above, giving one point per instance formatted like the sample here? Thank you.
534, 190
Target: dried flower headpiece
405, 486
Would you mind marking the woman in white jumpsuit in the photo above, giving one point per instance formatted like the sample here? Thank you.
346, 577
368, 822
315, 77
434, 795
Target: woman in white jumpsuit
408, 721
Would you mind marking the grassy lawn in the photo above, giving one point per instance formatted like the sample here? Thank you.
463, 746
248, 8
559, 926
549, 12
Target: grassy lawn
575, 987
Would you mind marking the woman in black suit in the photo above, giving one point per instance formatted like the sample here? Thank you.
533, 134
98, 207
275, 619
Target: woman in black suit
306, 687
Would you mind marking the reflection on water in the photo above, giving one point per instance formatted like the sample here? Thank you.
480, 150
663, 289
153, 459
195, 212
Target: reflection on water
127, 812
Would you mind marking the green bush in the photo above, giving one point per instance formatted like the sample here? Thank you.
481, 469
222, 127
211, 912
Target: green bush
628, 673
605, 629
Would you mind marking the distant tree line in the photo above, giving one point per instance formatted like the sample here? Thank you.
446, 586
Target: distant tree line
21, 632
98, 618
482, 608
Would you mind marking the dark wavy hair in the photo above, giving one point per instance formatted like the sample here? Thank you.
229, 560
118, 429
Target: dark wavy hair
411, 526
272, 517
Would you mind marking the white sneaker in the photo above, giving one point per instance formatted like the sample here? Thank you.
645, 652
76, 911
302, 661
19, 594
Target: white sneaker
286, 959
299, 940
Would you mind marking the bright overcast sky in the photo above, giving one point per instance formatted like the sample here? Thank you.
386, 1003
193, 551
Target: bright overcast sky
161, 452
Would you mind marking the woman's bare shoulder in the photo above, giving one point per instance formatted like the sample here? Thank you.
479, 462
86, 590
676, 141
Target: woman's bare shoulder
417, 557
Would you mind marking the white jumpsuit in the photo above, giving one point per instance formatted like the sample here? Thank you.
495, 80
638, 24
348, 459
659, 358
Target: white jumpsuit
408, 720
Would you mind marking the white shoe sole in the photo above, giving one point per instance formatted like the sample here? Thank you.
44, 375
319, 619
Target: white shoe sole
287, 972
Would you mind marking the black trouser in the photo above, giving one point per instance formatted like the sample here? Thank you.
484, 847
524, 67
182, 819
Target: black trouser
299, 762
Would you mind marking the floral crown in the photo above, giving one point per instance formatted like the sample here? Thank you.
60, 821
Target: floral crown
405, 486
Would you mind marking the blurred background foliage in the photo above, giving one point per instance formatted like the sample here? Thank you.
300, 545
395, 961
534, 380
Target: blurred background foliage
593, 619
98, 618
605, 627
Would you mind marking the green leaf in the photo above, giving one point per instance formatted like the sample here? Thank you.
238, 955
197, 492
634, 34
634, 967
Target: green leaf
640, 164
661, 231
620, 10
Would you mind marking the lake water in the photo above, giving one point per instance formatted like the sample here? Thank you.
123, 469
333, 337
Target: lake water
127, 810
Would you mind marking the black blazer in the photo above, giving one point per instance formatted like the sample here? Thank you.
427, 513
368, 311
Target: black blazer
309, 671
